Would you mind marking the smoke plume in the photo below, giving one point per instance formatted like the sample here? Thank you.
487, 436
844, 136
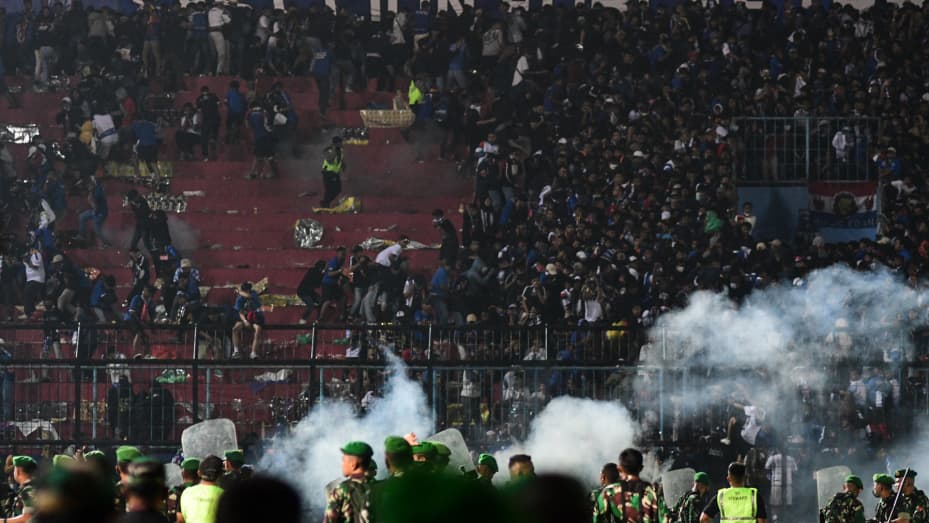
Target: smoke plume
310, 455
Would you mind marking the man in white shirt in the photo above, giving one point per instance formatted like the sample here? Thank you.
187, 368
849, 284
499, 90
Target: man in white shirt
522, 67
35, 281
217, 17
387, 256
106, 133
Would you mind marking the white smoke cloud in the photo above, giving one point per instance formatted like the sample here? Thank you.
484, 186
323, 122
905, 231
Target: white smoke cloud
575, 436
310, 455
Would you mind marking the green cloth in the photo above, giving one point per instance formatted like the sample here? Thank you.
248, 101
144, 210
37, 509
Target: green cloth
910, 473
127, 454
490, 461
884, 479
358, 448
397, 445
425, 449
199, 503
62, 460
23, 461
713, 222
236, 457
702, 477
190, 465
854, 480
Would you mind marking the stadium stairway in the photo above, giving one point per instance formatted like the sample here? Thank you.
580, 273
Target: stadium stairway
239, 230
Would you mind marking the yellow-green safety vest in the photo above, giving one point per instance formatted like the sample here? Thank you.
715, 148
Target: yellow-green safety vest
333, 167
737, 504
414, 94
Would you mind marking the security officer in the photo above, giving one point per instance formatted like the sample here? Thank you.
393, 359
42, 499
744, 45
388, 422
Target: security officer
885, 510
689, 507
845, 507
631, 499
125, 455
398, 455
912, 500
24, 468
738, 503
424, 454
349, 502
486, 468
333, 166
146, 492
189, 475
233, 462
609, 474
442, 456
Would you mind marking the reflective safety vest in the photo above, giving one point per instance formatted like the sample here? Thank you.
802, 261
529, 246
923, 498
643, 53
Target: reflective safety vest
334, 166
737, 504
414, 95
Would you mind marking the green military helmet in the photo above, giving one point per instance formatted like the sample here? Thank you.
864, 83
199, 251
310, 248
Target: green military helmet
443, 454
62, 460
190, 465
95, 454
127, 454
883, 479
489, 461
397, 445
854, 480
24, 462
236, 457
358, 448
425, 449
702, 477
909, 473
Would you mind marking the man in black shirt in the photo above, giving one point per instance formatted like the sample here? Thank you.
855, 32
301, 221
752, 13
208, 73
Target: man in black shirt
448, 251
146, 492
208, 104
139, 207
307, 290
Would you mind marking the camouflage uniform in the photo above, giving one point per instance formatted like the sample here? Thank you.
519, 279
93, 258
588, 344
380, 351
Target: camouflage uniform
25, 500
632, 501
916, 505
842, 508
884, 510
349, 502
688, 508
120, 500
173, 505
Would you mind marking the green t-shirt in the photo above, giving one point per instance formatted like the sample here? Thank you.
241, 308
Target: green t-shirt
199, 503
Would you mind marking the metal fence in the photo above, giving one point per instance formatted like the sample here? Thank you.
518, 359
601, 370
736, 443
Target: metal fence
805, 148
82, 384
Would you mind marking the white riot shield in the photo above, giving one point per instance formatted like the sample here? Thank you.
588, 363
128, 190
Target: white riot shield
829, 481
214, 436
675, 484
460, 458
173, 476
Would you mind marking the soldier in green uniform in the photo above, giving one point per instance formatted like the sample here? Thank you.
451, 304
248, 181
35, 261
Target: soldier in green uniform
24, 469
190, 477
609, 474
885, 510
629, 500
233, 462
442, 456
690, 506
97, 461
845, 507
912, 500
398, 456
125, 455
425, 455
349, 502
146, 491
486, 468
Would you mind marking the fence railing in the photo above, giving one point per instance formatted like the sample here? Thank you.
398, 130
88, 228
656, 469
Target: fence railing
81, 384
804, 148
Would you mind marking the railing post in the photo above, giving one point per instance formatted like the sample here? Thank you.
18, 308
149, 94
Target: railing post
195, 376
661, 403
548, 356
809, 175
431, 372
78, 379
313, 342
